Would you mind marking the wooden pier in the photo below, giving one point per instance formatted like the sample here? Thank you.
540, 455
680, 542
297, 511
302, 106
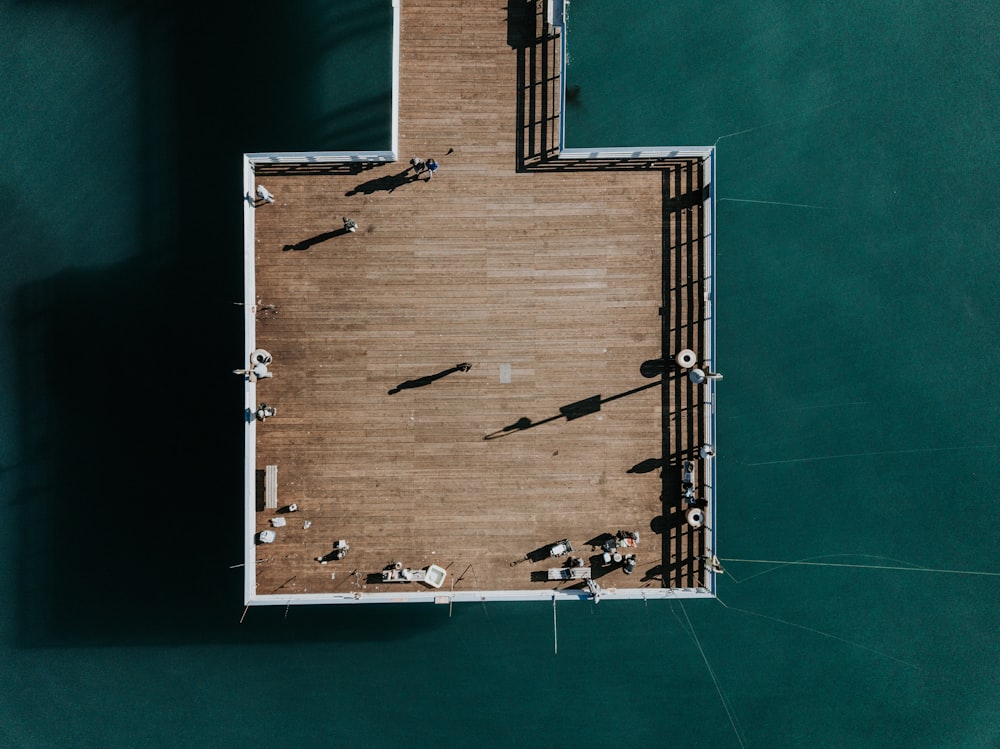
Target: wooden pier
567, 285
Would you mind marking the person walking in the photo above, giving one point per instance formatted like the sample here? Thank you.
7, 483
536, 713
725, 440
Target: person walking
432, 166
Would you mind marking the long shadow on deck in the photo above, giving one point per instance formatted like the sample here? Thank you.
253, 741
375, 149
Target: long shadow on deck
305, 244
420, 382
570, 412
389, 182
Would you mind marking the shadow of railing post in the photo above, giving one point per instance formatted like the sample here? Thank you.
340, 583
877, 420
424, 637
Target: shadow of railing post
683, 197
538, 81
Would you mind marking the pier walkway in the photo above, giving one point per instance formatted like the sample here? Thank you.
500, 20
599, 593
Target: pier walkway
567, 284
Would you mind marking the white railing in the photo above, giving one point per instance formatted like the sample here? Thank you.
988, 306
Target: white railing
478, 596
321, 157
249, 388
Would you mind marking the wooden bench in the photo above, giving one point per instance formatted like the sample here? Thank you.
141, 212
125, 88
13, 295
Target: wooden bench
570, 573
271, 488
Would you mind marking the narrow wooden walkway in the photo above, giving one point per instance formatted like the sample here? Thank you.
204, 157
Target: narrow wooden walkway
555, 281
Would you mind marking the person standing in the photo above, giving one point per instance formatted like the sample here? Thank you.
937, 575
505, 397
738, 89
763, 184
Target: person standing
432, 166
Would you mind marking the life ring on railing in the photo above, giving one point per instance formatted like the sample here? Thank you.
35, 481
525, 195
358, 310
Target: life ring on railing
686, 358
260, 356
695, 517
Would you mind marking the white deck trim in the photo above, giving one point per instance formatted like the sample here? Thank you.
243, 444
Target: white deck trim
477, 596
249, 388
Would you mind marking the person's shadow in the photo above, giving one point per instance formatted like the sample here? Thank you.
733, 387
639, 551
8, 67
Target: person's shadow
305, 244
422, 381
387, 183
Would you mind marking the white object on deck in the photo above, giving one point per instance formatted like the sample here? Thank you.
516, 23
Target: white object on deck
686, 358
267, 537
560, 548
695, 517
569, 573
264, 194
434, 576
271, 487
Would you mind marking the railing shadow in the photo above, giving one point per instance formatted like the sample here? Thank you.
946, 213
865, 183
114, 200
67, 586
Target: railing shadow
538, 81
264, 169
683, 196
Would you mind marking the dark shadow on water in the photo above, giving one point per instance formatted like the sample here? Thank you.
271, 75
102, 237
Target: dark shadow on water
128, 496
130, 513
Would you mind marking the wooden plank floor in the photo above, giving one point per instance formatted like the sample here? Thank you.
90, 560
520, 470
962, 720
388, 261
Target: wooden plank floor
571, 278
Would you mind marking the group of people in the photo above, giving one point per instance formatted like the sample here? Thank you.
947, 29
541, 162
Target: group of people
419, 165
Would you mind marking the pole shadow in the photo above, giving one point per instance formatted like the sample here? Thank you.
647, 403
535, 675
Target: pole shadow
570, 412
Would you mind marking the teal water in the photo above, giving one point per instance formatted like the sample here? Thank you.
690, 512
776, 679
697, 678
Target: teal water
859, 415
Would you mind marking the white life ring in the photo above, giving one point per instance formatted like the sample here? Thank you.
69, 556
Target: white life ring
695, 517
686, 358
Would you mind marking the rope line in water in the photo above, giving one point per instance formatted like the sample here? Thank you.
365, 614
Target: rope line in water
871, 454
775, 202
821, 633
778, 122
772, 412
715, 680
813, 559
862, 566
555, 629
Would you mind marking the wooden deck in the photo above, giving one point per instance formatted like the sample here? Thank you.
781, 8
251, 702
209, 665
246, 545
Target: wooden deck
567, 277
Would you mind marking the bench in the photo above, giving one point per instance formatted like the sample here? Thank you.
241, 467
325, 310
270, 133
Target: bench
569, 573
271, 488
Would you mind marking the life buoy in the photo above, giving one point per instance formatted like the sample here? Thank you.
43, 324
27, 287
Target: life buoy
686, 358
695, 517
